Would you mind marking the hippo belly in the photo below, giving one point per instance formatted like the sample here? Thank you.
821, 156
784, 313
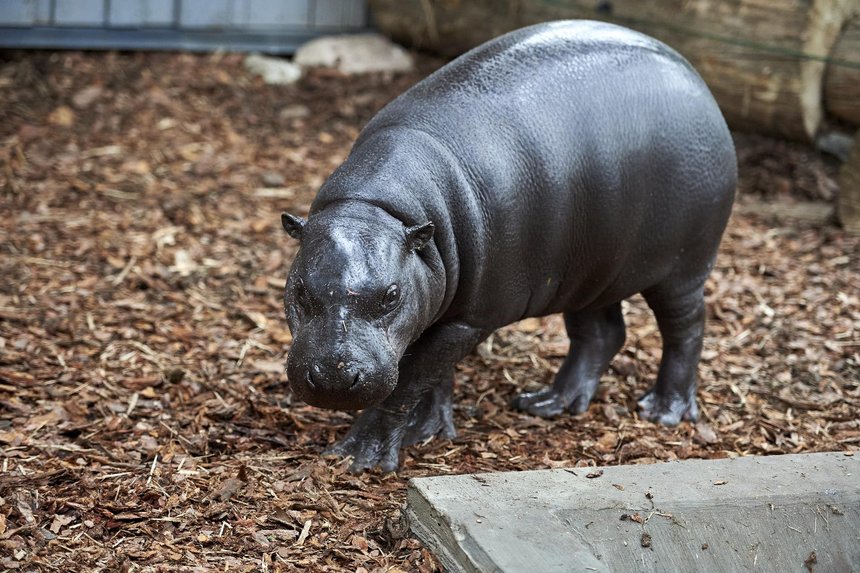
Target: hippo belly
560, 168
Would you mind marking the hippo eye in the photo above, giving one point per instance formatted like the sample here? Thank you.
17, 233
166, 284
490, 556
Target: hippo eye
392, 298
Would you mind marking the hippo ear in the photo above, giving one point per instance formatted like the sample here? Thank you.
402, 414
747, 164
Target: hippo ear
293, 225
419, 235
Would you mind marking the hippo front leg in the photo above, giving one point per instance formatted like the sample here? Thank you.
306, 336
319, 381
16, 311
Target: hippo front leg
420, 406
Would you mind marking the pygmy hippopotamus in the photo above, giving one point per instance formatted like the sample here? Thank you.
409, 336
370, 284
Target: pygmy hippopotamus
562, 167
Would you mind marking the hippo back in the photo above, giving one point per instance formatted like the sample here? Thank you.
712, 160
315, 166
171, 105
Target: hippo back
566, 165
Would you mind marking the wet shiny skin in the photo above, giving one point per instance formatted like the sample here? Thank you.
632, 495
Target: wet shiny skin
563, 167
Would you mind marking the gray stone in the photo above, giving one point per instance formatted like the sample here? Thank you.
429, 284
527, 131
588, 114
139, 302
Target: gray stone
835, 143
275, 71
295, 111
354, 54
273, 179
775, 513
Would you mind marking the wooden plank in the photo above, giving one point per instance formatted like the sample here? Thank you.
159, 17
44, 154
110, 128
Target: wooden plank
197, 40
274, 26
338, 14
25, 12
210, 14
79, 13
270, 14
358, 15
141, 13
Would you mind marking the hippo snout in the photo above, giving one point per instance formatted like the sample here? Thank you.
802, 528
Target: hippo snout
341, 385
351, 375
344, 376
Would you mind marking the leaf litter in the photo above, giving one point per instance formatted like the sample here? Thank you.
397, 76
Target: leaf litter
144, 414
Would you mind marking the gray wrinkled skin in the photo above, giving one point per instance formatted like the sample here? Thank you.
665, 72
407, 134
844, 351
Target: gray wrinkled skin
560, 168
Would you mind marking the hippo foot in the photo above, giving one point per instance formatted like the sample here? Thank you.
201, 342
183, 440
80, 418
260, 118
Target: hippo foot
549, 402
433, 416
374, 440
668, 410
377, 435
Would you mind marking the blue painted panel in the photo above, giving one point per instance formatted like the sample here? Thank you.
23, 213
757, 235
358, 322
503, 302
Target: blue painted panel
140, 13
25, 12
261, 14
212, 14
79, 12
339, 13
153, 39
358, 16
276, 26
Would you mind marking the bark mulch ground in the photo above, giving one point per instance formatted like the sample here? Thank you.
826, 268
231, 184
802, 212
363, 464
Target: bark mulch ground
145, 421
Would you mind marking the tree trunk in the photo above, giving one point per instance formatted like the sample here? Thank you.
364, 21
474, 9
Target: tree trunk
763, 59
842, 83
849, 190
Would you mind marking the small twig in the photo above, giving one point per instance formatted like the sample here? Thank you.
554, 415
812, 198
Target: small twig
245, 348
304, 535
152, 469
220, 399
169, 429
117, 280
109, 476
132, 403
44, 262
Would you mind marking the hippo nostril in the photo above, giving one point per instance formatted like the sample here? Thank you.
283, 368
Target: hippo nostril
309, 375
355, 381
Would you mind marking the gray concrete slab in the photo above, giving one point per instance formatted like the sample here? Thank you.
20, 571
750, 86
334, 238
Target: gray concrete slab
744, 514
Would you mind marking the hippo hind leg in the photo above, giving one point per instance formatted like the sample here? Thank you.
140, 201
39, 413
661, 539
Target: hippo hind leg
681, 318
595, 337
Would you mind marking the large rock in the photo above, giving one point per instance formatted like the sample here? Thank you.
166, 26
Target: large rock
275, 71
354, 54
775, 513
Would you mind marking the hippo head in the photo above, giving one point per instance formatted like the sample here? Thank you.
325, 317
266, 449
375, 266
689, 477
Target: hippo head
360, 290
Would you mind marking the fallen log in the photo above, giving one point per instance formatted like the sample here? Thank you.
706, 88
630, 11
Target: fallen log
764, 60
842, 82
848, 209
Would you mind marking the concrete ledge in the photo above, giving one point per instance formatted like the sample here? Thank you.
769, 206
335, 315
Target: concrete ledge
778, 513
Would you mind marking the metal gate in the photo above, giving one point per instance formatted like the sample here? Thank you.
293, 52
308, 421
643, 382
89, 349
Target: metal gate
276, 26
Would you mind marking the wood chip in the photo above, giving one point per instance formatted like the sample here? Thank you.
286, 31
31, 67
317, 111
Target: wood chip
143, 340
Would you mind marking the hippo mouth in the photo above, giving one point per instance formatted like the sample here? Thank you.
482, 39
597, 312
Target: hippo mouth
340, 386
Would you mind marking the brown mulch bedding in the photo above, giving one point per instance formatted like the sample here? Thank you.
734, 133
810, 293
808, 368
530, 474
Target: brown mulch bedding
144, 418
